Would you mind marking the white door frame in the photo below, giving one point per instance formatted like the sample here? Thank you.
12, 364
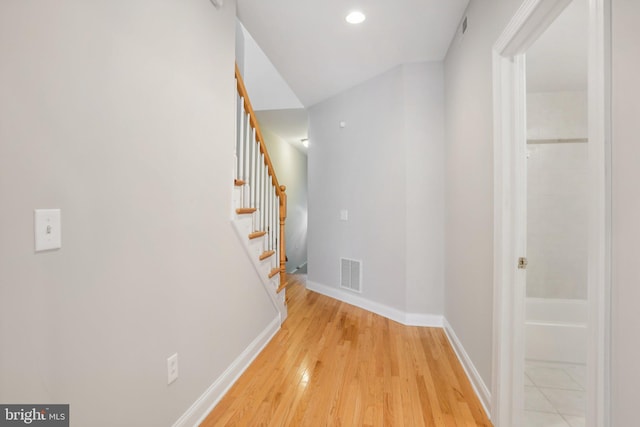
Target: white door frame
509, 87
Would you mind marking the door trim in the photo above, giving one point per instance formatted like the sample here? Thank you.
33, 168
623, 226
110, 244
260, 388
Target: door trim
509, 92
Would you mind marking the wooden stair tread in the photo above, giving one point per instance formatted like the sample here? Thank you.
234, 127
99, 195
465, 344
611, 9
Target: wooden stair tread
292, 279
266, 254
273, 272
241, 211
238, 182
257, 234
283, 285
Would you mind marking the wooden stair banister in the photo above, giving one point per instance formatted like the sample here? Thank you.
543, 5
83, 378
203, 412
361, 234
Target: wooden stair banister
275, 229
242, 91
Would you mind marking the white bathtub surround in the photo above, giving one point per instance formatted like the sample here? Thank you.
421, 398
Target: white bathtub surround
557, 194
556, 330
555, 394
557, 220
557, 115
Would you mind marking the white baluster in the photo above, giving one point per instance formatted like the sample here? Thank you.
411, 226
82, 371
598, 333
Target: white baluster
252, 165
274, 206
269, 213
265, 176
240, 140
236, 148
246, 165
277, 236
254, 181
259, 190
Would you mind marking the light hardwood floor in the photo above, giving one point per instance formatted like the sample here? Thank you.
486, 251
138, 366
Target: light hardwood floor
333, 364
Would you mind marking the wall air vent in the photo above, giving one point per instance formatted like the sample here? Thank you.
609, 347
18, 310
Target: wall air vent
351, 274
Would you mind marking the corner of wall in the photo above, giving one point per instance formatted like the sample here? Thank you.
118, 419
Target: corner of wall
481, 389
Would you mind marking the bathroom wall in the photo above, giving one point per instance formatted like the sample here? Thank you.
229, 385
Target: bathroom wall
557, 195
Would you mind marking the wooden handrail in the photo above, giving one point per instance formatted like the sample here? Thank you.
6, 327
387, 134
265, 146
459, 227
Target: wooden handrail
279, 189
253, 120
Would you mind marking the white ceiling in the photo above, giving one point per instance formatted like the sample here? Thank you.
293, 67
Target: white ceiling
320, 55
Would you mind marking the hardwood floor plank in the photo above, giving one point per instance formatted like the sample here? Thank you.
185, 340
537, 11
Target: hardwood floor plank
333, 364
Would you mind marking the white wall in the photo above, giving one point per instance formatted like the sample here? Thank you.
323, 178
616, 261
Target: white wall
291, 168
424, 191
469, 180
385, 168
359, 168
240, 43
626, 211
120, 113
266, 87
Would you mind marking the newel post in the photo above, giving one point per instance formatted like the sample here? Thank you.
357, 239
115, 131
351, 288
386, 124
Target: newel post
283, 246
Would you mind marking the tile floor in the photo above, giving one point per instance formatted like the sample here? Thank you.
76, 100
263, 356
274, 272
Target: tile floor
554, 394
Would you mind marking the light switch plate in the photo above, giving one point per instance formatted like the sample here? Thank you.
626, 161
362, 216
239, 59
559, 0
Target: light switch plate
48, 231
344, 215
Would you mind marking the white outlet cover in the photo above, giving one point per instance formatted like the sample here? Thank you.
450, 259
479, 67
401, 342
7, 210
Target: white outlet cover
344, 215
47, 229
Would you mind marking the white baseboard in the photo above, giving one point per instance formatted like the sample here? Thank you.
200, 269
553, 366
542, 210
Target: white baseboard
410, 319
481, 389
420, 319
210, 398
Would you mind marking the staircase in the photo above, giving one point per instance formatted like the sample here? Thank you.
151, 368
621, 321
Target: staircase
259, 202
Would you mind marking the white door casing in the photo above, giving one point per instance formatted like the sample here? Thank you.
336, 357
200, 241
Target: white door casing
509, 86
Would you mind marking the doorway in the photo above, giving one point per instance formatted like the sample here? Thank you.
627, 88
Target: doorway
557, 199
510, 227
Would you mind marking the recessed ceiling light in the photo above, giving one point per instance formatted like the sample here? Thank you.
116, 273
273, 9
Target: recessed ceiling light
355, 17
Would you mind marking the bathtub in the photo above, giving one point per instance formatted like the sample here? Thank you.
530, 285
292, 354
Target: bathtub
556, 330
